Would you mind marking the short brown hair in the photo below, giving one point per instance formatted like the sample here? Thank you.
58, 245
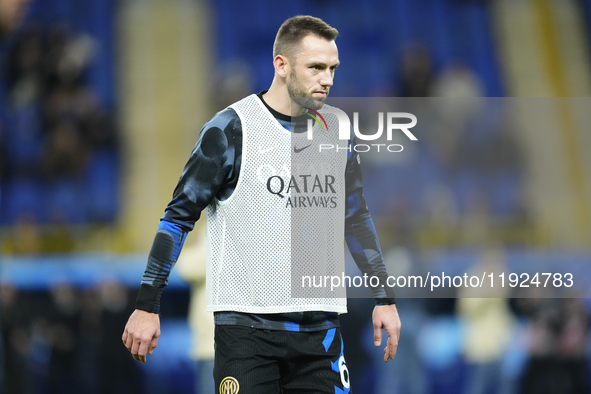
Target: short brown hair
293, 30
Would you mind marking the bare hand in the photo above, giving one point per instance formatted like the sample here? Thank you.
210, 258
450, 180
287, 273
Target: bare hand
141, 334
386, 317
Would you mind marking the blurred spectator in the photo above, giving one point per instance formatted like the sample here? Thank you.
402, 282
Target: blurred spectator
559, 334
458, 80
90, 340
466, 186
65, 331
25, 63
455, 114
409, 373
488, 324
98, 130
16, 341
191, 267
66, 340
116, 370
416, 73
232, 81
11, 14
61, 166
64, 155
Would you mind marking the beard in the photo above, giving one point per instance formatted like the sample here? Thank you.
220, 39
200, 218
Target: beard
298, 94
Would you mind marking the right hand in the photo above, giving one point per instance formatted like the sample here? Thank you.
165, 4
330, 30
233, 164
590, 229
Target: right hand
141, 334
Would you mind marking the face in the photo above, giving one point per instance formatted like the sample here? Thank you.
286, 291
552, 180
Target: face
311, 72
11, 13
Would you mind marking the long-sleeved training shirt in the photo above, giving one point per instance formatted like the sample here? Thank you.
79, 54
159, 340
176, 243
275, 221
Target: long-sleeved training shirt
212, 171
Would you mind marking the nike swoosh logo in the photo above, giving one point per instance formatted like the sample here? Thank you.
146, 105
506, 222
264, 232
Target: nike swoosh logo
266, 150
296, 150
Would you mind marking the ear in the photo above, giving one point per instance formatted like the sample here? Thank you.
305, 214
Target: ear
281, 65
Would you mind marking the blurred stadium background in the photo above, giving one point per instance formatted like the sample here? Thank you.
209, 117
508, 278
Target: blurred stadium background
102, 102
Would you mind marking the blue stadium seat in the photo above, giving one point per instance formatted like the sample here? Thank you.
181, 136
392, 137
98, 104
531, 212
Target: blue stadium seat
102, 186
65, 202
18, 198
25, 134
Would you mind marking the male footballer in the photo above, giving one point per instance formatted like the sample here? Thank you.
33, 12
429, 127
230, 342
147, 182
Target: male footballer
268, 208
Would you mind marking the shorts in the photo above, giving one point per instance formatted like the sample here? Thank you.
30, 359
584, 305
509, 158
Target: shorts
257, 361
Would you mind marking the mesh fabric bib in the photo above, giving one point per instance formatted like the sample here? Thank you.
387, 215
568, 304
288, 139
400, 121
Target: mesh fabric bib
284, 221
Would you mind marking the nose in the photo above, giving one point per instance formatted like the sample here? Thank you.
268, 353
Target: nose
327, 78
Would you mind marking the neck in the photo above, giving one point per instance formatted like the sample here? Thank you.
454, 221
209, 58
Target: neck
277, 97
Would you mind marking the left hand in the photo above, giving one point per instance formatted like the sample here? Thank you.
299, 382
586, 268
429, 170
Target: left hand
141, 334
386, 317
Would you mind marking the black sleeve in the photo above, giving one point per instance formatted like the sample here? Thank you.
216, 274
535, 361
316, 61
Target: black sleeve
360, 232
211, 172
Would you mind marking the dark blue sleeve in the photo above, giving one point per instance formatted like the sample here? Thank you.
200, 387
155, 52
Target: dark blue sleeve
360, 232
211, 172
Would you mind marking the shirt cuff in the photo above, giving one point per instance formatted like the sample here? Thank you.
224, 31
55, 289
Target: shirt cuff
385, 301
148, 298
